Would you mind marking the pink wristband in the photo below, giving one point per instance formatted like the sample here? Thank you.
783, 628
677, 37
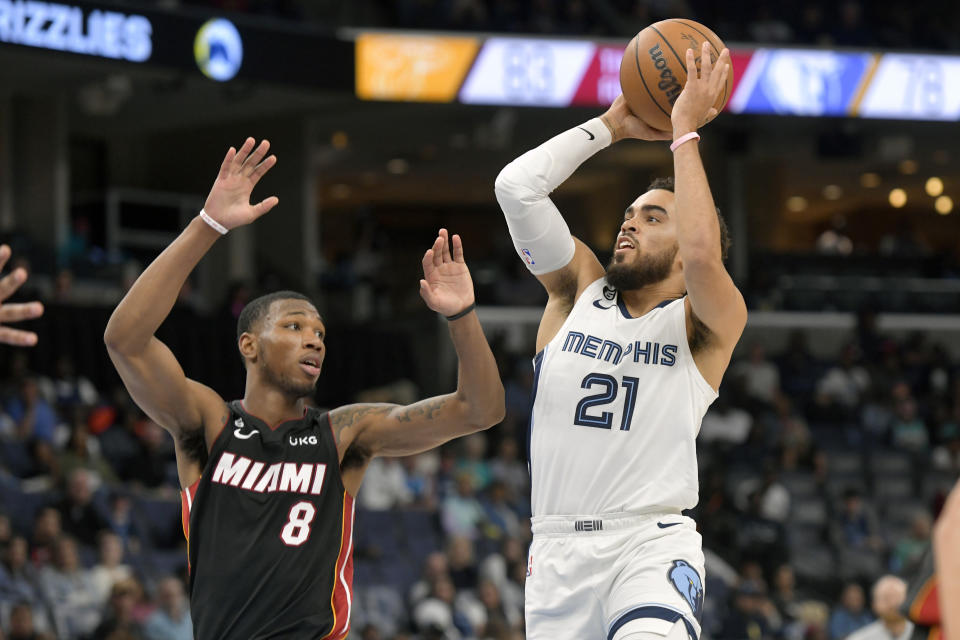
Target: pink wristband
222, 230
693, 135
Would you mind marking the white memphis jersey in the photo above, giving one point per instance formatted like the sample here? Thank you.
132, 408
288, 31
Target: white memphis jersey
617, 405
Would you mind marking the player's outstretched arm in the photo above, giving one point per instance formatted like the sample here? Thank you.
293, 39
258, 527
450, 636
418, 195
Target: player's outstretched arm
15, 312
148, 368
714, 298
478, 402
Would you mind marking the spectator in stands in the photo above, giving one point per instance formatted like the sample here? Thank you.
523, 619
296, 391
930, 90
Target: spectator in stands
773, 496
792, 604
792, 435
725, 423
946, 457
18, 578
81, 518
436, 615
22, 625
908, 552
889, 592
759, 538
435, 567
122, 521
420, 473
472, 462
69, 590
154, 455
461, 513
500, 569
850, 30
47, 529
799, 370
842, 387
110, 568
769, 28
856, 529
753, 615
171, 620
850, 615
500, 618
35, 418
500, 515
507, 468
384, 486
66, 388
462, 562
759, 376
83, 452
119, 622
908, 430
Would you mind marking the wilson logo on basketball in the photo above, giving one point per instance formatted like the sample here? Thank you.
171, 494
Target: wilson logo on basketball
668, 81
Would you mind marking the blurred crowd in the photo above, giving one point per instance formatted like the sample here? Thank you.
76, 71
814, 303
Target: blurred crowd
819, 482
855, 23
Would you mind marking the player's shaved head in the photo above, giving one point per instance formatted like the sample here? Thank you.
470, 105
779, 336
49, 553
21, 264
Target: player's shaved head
251, 318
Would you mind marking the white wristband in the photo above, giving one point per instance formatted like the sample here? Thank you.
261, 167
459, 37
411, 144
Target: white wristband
222, 230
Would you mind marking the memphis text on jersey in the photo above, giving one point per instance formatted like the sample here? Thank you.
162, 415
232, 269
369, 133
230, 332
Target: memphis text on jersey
599, 349
284, 477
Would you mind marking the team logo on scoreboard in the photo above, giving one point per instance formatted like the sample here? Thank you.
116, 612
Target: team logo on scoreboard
218, 49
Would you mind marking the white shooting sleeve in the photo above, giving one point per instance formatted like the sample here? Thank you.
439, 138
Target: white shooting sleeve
540, 234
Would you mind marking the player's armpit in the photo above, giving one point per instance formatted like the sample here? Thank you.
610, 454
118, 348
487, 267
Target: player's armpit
716, 316
569, 281
564, 286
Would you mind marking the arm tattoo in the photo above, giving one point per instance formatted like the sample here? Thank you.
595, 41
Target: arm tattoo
427, 409
346, 417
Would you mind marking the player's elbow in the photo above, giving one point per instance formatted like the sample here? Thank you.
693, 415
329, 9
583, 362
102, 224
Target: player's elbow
117, 339
488, 411
516, 187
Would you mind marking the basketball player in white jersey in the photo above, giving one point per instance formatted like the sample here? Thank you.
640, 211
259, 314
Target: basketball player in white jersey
629, 358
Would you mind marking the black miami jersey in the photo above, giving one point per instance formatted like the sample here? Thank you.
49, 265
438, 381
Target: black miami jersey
269, 533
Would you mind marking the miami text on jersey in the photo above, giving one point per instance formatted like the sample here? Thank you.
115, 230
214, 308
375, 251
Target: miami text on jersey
610, 351
288, 477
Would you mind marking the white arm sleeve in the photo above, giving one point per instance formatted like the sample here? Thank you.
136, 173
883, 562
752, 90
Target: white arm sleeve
539, 233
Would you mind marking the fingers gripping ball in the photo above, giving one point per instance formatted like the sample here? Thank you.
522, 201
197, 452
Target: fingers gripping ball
653, 69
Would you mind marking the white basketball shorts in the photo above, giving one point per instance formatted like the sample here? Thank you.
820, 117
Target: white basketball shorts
599, 577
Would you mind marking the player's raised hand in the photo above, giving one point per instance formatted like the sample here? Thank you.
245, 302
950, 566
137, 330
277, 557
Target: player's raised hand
15, 312
446, 286
229, 200
623, 124
695, 104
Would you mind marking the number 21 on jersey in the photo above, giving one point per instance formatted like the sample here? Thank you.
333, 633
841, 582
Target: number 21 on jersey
609, 389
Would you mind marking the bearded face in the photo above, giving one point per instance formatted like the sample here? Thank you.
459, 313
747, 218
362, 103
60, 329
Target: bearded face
631, 269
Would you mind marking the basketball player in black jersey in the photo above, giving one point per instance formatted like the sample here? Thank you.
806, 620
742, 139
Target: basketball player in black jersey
268, 483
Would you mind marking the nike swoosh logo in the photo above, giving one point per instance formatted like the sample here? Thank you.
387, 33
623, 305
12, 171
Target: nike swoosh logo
591, 137
247, 436
669, 524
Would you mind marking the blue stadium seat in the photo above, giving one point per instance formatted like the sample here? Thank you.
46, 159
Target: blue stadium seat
21, 506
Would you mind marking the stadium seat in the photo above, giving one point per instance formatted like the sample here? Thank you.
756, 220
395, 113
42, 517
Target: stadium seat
811, 512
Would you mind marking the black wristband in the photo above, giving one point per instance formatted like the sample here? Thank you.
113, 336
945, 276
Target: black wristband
457, 316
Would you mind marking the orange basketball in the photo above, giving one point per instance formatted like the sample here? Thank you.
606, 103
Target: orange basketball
654, 68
